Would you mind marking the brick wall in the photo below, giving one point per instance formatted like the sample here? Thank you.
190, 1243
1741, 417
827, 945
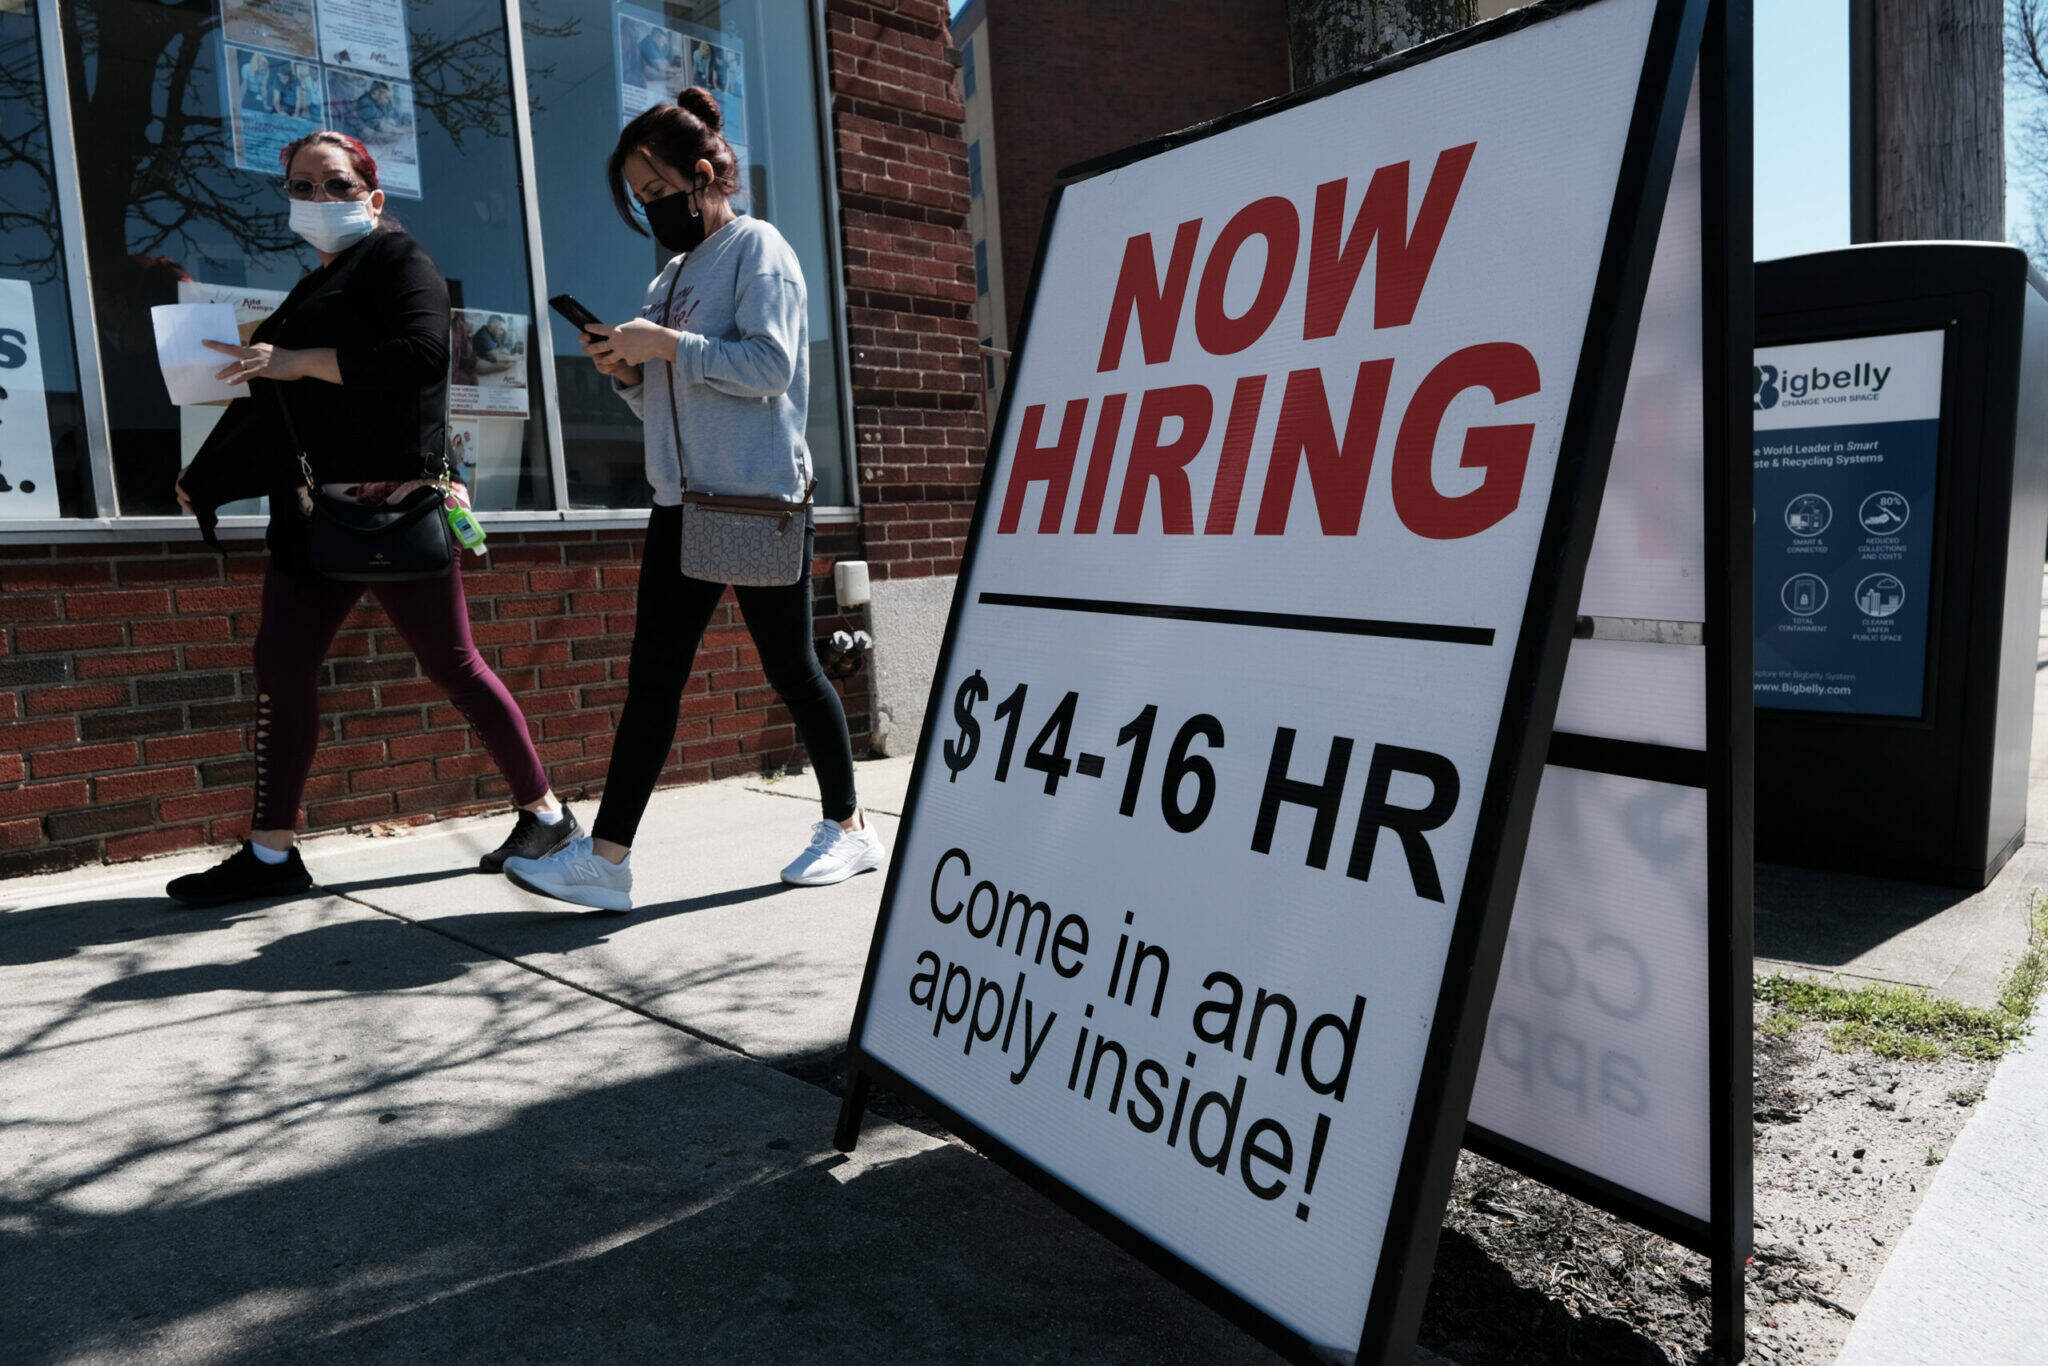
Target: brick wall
126, 697
125, 691
1072, 79
917, 375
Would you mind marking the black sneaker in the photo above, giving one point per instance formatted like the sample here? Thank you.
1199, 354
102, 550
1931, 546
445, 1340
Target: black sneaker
532, 837
242, 877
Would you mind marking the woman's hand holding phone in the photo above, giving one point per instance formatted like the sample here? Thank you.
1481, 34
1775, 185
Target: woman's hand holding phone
634, 342
597, 344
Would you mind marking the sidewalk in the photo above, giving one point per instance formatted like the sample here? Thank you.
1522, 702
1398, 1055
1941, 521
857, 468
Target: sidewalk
1969, 1281
423, 1115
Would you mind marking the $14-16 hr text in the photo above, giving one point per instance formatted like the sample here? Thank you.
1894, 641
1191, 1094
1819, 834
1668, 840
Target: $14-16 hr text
1188, 783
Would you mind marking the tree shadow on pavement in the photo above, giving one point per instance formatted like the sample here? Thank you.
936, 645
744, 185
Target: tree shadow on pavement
693, 1215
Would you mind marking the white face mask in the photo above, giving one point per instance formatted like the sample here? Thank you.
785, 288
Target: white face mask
332, 225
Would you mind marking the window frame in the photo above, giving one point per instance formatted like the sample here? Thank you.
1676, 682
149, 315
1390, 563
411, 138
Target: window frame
104, 523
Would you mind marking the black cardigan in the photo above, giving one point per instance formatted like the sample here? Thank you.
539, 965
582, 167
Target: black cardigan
383, 306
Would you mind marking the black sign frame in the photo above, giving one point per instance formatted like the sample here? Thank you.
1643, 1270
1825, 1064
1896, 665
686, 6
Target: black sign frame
1725, 768
1472, 964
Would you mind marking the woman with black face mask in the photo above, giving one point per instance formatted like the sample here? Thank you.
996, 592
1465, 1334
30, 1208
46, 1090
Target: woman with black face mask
717, 366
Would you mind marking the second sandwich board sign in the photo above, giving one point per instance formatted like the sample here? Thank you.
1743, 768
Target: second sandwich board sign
1199, 899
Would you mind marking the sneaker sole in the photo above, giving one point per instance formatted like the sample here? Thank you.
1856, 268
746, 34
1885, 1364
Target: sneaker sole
203, 902
875, 867
494, 862
597, 899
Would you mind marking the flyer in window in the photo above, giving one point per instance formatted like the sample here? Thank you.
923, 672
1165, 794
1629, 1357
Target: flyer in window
280, 25
28, 467
367, 35
487, 363
657, 58
273, 100
379, 114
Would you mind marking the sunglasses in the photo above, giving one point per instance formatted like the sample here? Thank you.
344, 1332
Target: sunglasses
339, 187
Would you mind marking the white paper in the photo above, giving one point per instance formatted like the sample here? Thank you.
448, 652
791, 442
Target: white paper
28, 468
368, 35
189, 367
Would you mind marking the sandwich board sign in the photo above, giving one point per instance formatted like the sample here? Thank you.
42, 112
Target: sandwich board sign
1196, 910
1617, 1056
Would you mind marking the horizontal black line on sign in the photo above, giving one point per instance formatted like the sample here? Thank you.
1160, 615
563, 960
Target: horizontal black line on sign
1629, 759
1271, 621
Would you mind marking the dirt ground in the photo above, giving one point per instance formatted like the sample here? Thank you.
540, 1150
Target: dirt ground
1845, 1146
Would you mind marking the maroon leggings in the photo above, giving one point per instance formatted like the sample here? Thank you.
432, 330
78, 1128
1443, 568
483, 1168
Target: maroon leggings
300, 617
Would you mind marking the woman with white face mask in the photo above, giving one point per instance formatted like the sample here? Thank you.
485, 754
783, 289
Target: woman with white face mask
358, 355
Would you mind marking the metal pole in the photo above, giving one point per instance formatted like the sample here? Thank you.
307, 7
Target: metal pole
536, 265
85, 333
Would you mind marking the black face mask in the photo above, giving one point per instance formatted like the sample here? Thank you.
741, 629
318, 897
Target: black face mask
674, 225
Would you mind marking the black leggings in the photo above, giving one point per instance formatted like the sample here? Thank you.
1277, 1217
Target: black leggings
673, 611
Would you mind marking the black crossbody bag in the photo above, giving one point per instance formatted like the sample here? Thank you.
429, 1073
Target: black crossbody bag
373, 542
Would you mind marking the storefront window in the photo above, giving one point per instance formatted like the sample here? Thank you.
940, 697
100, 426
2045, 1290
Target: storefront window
181, 111
42, 427
587, 73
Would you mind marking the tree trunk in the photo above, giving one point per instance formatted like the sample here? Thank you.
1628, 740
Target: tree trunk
1938, 107
1326, 38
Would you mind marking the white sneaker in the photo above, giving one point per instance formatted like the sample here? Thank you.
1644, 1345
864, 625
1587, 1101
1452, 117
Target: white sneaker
835, 855
576, 872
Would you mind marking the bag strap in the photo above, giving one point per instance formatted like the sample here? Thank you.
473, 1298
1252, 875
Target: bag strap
675, 420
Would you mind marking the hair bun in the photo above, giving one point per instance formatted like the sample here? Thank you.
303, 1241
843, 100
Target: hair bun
699, 101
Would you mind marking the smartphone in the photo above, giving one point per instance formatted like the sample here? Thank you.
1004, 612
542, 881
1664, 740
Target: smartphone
568, 307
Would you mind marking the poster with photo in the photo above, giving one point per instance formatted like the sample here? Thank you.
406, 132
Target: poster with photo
366, 35
717, 63
657, 58
272, 100
379, 114
487, 363
281, 25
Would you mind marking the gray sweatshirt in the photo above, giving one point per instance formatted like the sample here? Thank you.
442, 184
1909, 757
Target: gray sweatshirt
742, 370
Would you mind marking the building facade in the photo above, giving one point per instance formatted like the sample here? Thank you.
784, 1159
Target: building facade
138, 166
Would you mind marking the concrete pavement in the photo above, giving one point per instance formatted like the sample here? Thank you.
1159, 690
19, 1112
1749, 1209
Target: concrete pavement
422, 1115
1966, 1282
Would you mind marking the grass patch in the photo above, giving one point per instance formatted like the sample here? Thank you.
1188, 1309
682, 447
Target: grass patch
1907, 1022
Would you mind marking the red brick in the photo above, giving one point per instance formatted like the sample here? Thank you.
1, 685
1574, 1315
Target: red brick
126, 665
579, 723
20, 834
241, 597
21, 736
347, 756
76, 636
384, 778
210, 745
10, 705
148, 842
58, 763
28, 607
55, 574
183, 569
361, 727
13, 768
350, 811
516, 656
154, 782
182, 630
429, 745
44, 798
464, 766
201, 805
124, 606
229, 829
236, 656
50, 701
561, 580
433, 796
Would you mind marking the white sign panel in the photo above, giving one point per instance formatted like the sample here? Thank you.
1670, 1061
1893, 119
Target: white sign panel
28, 470
1174, 904
1597, 1052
